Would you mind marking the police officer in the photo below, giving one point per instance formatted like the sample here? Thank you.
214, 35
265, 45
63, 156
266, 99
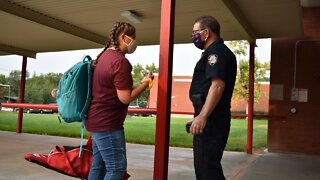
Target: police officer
210, 92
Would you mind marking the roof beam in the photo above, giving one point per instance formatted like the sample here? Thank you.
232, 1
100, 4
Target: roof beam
239, 20
18, 51
26, 13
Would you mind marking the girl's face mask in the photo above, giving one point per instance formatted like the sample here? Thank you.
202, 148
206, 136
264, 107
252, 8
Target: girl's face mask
196, 39
132, 46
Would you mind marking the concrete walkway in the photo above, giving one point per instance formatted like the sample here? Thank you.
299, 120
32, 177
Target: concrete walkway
237, 165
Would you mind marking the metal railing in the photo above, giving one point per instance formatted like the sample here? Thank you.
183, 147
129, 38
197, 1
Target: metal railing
130, 110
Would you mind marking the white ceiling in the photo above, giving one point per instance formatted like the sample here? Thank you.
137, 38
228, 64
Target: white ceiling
32, 26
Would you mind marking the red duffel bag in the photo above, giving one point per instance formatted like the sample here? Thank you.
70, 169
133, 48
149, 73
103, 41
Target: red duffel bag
67, 160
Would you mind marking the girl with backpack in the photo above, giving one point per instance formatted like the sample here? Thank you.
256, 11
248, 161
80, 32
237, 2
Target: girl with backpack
112, 91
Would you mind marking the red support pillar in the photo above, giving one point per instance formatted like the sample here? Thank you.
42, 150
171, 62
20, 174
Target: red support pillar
250, 98
22, 90
164, 91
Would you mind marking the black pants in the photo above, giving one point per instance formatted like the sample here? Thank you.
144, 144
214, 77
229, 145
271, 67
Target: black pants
208, 150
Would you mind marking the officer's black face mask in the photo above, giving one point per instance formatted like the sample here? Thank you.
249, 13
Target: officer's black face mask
197, 41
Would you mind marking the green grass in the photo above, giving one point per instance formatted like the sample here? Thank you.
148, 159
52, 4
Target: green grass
140, 130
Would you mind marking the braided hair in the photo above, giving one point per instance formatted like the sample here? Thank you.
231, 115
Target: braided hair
117, 29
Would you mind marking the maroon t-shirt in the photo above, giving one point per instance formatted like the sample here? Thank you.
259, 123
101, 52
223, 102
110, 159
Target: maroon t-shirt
106, 111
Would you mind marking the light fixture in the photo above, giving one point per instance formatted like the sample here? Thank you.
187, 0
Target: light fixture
133, 17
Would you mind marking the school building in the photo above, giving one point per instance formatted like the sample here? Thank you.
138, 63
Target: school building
180, 97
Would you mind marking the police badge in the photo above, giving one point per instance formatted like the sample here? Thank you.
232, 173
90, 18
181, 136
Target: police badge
212, 59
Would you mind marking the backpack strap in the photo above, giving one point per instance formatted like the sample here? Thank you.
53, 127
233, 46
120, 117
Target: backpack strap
86, 58
82, 132
83, 114
88, 99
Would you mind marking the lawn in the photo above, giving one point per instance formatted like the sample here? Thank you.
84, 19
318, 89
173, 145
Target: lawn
139, 130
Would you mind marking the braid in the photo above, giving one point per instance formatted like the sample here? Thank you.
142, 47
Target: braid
95, 62
113, 37
119, 27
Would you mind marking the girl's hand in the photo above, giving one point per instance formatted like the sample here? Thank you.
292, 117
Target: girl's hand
148, 78
149, 75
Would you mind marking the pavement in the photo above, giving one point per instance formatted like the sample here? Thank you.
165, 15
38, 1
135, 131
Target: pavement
237, 165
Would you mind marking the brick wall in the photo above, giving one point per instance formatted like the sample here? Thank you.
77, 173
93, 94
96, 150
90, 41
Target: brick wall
262, 105
298, 132
180, 96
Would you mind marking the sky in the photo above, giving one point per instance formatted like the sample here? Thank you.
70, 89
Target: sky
185, 57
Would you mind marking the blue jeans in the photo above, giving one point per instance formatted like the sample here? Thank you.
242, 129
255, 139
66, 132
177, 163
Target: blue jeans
109, 160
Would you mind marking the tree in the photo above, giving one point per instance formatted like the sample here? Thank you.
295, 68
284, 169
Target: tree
241, 89
239, 48
3, 90
3, 79
138, 74
38, 88
14, 81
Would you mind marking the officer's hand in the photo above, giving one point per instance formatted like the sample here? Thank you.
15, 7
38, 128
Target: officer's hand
198, 124
54, 92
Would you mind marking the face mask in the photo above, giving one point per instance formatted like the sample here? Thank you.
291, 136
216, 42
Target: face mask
196, 39
132, 46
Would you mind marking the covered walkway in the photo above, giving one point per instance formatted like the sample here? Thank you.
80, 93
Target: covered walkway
237, 165
167, 22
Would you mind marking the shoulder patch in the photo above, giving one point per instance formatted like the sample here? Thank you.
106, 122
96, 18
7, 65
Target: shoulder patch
212, 59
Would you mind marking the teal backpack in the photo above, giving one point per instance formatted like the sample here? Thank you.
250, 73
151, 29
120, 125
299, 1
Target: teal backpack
74, 93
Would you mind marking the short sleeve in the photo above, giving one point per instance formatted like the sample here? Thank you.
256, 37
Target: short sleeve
216, 66
122, 74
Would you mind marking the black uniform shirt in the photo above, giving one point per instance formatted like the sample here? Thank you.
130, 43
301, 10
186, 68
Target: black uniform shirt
217, 61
